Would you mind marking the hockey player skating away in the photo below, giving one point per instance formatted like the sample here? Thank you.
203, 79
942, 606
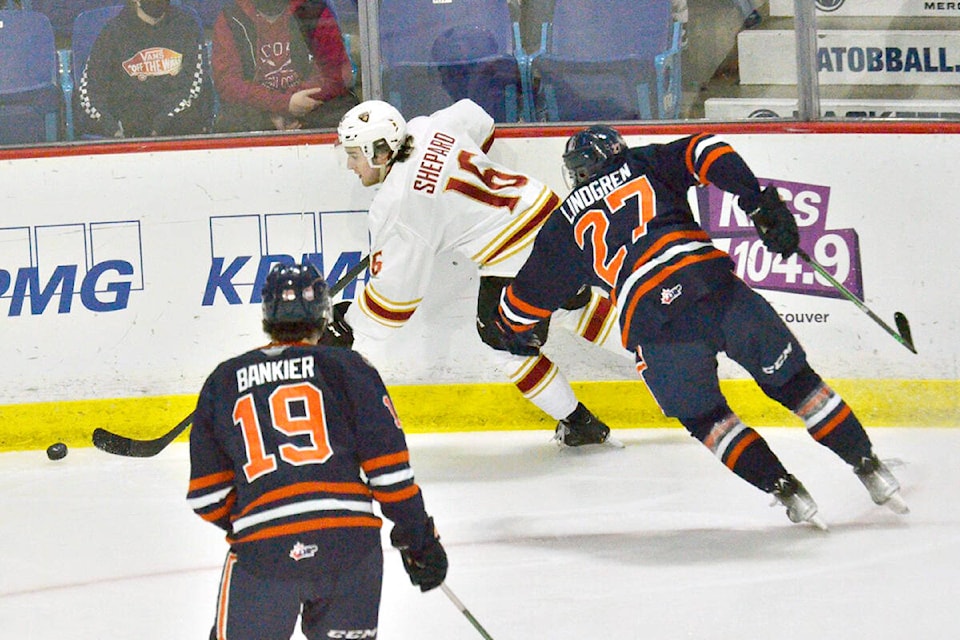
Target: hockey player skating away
291, 443
627, 227
438, 191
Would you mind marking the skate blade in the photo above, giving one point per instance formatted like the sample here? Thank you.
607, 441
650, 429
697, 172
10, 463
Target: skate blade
897, 504
609, 442
818, 523
613, 442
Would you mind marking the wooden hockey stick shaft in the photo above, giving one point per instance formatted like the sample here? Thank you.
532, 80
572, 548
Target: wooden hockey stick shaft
130, 447
459, 605
903, 336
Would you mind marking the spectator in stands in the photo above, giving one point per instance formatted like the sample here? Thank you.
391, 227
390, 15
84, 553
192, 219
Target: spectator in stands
265, 72
145, 75
324, 36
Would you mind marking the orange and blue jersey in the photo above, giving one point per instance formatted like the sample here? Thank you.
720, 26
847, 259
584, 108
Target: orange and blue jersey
289, 449
630, 230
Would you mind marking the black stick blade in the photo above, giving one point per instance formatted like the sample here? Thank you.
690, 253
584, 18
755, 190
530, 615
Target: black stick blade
904, 328
132, 448
111, 442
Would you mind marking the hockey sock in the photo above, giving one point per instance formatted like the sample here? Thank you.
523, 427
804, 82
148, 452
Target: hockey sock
541, 382
832, 423
739, 447
829, 420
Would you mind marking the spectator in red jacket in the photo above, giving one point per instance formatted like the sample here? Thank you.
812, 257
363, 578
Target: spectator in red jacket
266, 74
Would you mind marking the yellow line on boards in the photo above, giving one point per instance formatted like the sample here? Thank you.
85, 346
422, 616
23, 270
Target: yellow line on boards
489, 407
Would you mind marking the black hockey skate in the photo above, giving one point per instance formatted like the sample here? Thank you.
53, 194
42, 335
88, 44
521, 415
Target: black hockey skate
582, 427
800, 506
883, 487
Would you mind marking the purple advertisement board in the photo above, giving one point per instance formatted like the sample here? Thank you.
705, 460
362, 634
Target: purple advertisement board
837, 250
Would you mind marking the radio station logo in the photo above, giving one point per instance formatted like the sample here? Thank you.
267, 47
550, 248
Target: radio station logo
65, 268
244, 247
837, 250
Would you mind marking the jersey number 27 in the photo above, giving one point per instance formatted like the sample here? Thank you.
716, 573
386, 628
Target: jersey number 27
596, 222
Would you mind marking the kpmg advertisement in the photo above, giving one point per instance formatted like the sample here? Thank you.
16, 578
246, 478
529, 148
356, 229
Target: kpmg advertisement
133, 274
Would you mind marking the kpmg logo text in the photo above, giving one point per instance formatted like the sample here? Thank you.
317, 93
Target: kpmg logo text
245, 247
51, 267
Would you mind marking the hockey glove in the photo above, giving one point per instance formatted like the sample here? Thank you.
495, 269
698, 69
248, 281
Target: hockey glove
776, 226
427, 567
526, 343
338, 333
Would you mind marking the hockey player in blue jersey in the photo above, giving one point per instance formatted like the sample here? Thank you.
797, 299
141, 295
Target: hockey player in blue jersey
627, 227
291, 444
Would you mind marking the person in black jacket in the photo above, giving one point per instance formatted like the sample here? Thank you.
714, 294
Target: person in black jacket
145, 75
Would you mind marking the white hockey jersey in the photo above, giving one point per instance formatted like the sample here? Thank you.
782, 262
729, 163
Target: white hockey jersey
447, 196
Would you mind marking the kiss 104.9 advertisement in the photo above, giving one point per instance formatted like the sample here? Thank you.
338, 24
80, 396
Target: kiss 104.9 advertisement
834, 248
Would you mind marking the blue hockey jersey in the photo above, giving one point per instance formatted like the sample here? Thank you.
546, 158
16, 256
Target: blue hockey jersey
630, 231
290, 447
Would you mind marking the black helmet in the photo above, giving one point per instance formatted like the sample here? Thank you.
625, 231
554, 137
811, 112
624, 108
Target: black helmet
296, 293
589, 152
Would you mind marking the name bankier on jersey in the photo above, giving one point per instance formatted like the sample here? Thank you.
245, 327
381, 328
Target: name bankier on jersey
290, 446
631, 231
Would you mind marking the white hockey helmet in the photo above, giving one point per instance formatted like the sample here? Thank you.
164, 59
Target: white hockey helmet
368, 123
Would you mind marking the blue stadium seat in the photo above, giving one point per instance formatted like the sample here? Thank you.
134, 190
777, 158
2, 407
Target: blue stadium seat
434, 54
607, 60
30, 98
62, 13
208, 10
347, 15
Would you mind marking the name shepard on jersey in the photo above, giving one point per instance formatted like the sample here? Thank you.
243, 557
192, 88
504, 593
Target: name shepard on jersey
595, 190
428, 173
276, 371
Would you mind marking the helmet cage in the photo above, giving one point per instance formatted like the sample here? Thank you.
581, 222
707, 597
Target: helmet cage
295, 293
589, 152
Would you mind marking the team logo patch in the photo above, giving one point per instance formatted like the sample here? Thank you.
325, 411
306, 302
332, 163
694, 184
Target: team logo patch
667, 296
155, 61
772, 369
302, 551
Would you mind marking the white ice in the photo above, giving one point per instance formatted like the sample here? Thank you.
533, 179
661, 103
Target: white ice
655, 541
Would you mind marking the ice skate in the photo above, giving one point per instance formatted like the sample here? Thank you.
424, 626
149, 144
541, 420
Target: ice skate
883, 487
800, 506
582, 427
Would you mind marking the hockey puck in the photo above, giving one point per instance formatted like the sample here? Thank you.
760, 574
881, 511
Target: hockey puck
57, 451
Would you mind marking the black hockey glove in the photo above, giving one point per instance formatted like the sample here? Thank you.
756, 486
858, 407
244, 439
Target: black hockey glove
338, 333
427, 567
526, 343
776, 226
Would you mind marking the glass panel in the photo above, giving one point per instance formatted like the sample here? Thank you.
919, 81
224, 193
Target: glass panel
888, 58
531, 61
740, 61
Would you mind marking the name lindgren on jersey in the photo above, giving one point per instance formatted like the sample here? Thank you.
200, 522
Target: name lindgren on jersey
631, 231
587, 195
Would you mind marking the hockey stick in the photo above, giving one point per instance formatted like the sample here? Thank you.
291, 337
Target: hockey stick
901, 334
132, 448
459, 605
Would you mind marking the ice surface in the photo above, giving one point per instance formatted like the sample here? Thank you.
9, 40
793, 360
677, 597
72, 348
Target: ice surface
655, 541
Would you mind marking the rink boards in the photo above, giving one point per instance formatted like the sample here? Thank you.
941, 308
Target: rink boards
127, 272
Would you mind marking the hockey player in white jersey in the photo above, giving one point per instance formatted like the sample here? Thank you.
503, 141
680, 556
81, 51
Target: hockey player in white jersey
439, 191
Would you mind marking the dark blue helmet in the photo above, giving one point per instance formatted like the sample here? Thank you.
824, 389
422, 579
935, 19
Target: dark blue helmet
296, 293
590, 151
